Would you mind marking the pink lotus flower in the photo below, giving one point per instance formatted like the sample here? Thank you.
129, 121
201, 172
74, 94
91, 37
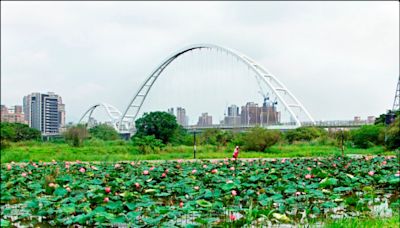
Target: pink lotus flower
283, 160
23, 174
107, 189
117, 166
214, 171
106, 200
232, 159
152, 168
9, 167
232, 168
308, 176
334, 165
234, 193
181, 204
309, 168
384, 162
82, 170
298, 193
67, 163
137, 185
68, 189
194, 171
319, 163
371, 173
196, 187
132, 163
146, 172
180, 161
163, 175
232, 217
204, 166
229, 181
30, 172
166, 171
94, 167
67, 166
52, 185
78, 162
226, 163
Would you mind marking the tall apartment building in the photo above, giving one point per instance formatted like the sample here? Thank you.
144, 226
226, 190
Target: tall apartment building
45, 112
233, 117
252, 114
204, 120
13, 114
180, 115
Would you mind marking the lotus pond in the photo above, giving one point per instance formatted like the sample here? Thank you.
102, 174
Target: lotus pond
200, 193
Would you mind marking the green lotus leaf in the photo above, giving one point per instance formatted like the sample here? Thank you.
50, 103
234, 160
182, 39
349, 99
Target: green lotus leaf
204, 203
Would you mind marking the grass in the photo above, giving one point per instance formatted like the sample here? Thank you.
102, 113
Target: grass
392, 222
120, 150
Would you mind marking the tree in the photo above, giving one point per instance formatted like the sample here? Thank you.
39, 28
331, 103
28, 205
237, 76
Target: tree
147, 144
18, 132
304, 134
104, 132
259, 139
160, 124
367, 136
393, 135
76, 135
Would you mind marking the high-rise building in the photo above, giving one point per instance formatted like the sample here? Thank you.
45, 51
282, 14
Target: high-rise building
45, 112
181, 116
13, 114
250, 114
233, 117
204, 120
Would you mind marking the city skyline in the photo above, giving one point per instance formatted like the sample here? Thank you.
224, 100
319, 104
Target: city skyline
340, 52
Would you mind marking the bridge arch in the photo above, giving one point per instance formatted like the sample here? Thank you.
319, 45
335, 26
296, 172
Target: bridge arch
113, 113
286, 98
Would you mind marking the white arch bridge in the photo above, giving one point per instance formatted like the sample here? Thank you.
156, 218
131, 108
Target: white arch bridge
123, 122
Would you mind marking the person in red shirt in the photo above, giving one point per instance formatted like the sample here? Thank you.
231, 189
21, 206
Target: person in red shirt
236, 152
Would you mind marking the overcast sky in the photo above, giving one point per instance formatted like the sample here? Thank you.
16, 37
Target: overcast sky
340, 59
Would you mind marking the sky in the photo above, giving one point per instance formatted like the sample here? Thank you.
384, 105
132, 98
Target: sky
340, 59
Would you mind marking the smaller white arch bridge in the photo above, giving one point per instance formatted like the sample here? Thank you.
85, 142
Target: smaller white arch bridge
123, 122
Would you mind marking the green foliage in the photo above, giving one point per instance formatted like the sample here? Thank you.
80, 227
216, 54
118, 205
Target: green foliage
216, 137
159, 192
16, 132
161, 125
367, 136
381, 118
259, 139
393, 135
104, 132
304, 134
147, 144
75, 135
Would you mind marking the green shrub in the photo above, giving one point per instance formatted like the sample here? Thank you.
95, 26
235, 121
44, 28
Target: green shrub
393, 135
304, 134
16, 132
147, 144
259, 139
367, 136
75, 135
104, 132
161, 125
